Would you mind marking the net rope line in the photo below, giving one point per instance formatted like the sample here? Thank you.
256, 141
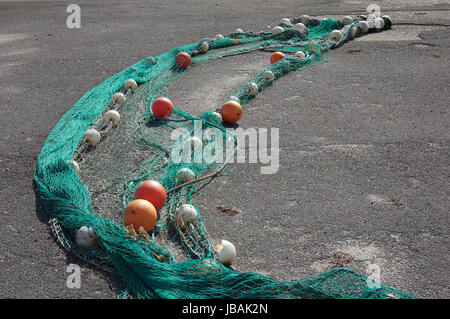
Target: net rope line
149, 269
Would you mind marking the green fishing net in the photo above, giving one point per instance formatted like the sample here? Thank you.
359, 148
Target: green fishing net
175, 260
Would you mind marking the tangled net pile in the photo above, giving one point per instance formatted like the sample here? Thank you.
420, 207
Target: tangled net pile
139, 149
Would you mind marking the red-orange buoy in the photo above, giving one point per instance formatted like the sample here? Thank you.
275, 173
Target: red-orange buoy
231, 111
140, 213
183, 60
276, 56
153, 192
162, 107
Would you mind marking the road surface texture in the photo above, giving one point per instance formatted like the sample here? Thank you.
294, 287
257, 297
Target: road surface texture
363, 176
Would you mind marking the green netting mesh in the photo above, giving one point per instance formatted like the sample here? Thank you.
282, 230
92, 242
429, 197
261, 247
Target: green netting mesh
175, 260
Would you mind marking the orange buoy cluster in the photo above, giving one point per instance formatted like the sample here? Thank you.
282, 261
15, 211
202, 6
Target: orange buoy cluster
149, 197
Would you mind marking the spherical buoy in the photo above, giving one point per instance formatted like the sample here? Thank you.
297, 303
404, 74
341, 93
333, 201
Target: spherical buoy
379, 24
347, 20
226, 252
231, 111
371, 20
130, 84
314, 22
85, 237
185, 175
352, 33
387, 22
300, 54
286, 22
300, 27
153, 192
268, 76
92, 136
140, 213
234, 98
364, 25
336, 36
305, 19
276, 56
238, 31
118, 98
214, 117
277, 30
186, 212
252, 89
204, 46
195, 143
112, 116
183, 60
219, 37
162, 107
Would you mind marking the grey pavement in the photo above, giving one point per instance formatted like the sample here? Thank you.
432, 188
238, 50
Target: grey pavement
364, 137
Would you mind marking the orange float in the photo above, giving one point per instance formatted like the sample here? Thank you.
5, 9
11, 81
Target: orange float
153, 192
140, 213
183, 60
276, 56
162, 107
231, 111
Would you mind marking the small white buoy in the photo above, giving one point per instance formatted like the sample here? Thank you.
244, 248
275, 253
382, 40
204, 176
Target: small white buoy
185, 175
300, 27
219, 37
112, 116
364, 26
352, 33
336, 36
92, 136
118, 98
277, 30
195, 142
252, 89
286, 21
214, 117
186, 212
347, 20
130, 84
286, 67
234, 98
86, 237
204, 46
305, 19
226, 252
379, 24
238, 31
387, 22
371, 20
269, 76
300, 54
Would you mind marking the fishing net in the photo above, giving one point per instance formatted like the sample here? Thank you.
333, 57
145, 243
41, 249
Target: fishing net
174, 260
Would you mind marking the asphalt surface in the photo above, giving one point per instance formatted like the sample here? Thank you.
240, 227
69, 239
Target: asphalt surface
364, 138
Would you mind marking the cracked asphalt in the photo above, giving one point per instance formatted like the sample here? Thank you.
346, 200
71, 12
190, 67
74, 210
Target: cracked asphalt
364, 138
